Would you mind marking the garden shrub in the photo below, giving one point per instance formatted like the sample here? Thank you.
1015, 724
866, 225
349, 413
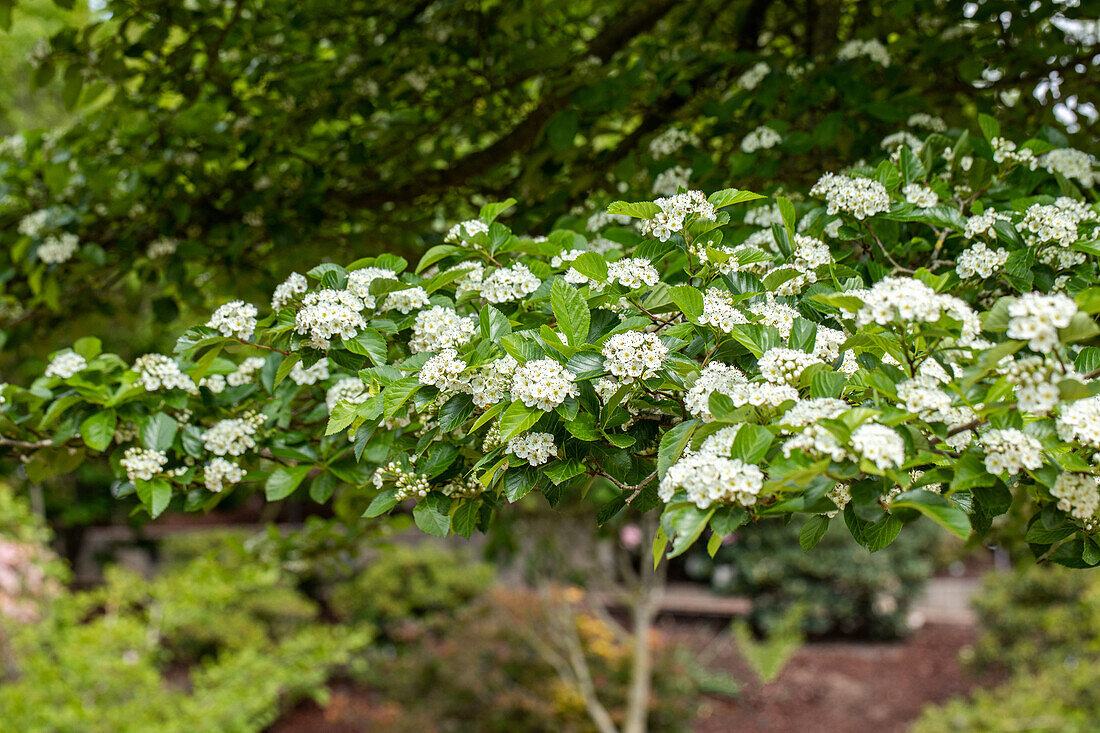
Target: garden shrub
840, 586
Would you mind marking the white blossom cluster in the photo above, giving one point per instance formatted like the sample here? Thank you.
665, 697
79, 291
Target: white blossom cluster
807, 412
1072, 164
809, 254
407, 300
408, 484
762, 138
632, 272
464, 231
715, 377
775, 314
245, 372
305, 376
668, 182
142, 464
34, 223
1005, 151
285, 291
840, 494
602, 219
509, 283
236, 319
781, 365
1036, 380
860, 197
827, 348
634, 355
444, 372
898, 140
66, 364
921, 196
980, 260
719, 310
535, 448
58, 249
348, 389
157, 372
328, 313
1048, 223
879, 444
359, 282
440, 327
1080, 422
872, 49
490, 384
924, 396
751, 79
923, 119
232, 436
983, 223
1078, 494
1036, 318
161, 247
462, 488
674, 212
543, 383
220, 473
906, 300
1011, 450
709, 479
764, 216
670, 141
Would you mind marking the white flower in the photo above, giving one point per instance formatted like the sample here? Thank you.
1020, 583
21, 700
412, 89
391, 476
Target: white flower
632, 272
295, 284
329, 313
983, 223
668, 142
668, 182
440, 327
906, 300
764, 216
66, 364
1050, 223
491, 383
751, 79
161, 247
359, 282
349, 389
220, 473
921, 196
1080, 421
1011, 450
408, 484
157, 372
715, 377
872, 49
708, 479
56, 250
245, 372
543, 383
444, 371
781, 365
509, 283
232, 436
719, 311
1004, 151
675, 210
407, 300
860, 197
235, 319
304, 376
1072, 164
776, 315
463, 232
762, 138
141, 464
535, 448
923, 119
1078, 494
601, 219
878, 444
1036, 318
634, 355
980, 260
1036, 379
807, 412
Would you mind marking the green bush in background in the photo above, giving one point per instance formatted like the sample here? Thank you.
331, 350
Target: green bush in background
844, 589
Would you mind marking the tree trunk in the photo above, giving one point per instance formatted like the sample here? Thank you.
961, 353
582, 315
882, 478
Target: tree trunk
646, 602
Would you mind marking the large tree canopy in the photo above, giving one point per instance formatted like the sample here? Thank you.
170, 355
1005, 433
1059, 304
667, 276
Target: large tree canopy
221, 139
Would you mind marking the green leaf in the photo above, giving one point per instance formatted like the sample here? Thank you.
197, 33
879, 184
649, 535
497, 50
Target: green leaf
432, 516
937, 508
398, 393
464, 519
437, 253
284, 480
1080, 328
672, 445
684, 522
571, 310
751, 443
99, 429
592, 265
382, 503
285, 367
639, 210
455, 411
812, 532
730, 196
562, 129
489, 212
687, 299
158, 432
518, 418
323, 486
154, 495
368, 343
990, 127
494, 324
583, 427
